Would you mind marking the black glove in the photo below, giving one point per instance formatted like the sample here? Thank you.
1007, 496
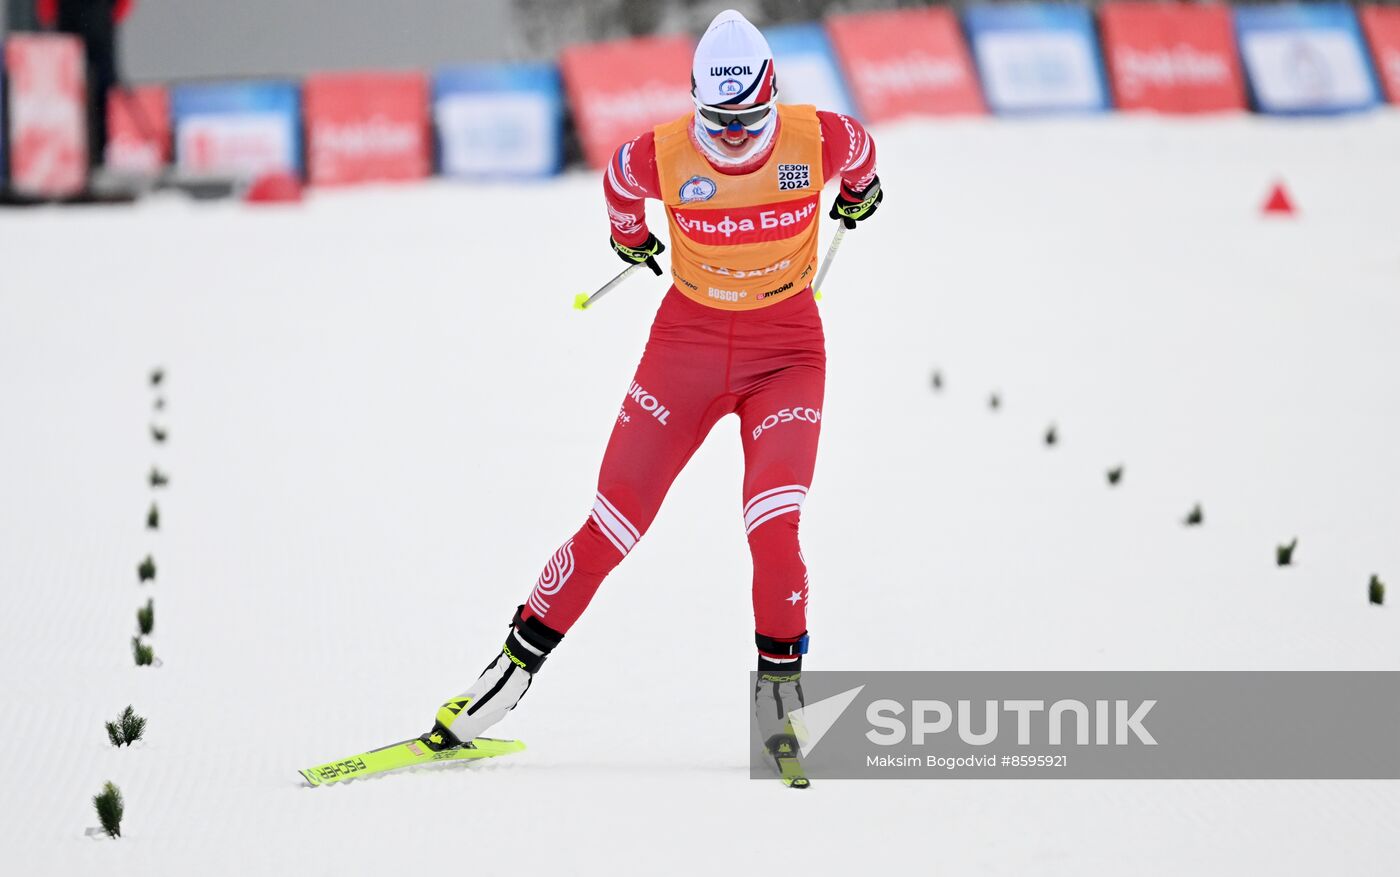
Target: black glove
646, 251
855, 206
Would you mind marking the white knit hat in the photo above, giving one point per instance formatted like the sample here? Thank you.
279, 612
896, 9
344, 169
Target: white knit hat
733, 64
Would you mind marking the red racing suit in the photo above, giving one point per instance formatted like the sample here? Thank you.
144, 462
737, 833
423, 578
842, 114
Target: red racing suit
738, 332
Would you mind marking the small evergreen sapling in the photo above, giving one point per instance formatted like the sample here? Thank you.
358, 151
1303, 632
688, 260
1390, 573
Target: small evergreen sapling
937, 380
146, 617
1115, 475
147, 570
109, 809
159, 434
1283, 554
157, 375
127, 729
160, 403
144, 653
1195, 517
132, 725
153, 518
1052, 436
994, 402
159, 478
1377, 590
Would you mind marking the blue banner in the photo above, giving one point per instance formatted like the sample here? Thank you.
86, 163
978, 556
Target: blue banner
237, 128
499, 120
1305, 59
1038, 58
806, 68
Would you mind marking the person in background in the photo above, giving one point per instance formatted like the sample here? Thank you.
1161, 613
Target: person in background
95, 23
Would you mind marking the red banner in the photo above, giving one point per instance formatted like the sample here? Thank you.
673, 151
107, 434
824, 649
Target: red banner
1382, 25
1172, 58
363, 127
621, 89
47, 82
905, 62
138, 129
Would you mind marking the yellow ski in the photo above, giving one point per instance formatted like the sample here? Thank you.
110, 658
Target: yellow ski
406, 753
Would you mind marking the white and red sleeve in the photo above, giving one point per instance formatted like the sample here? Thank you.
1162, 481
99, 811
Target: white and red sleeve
847, 150
629, 181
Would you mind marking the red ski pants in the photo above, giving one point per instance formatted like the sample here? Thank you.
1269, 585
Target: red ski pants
766, 365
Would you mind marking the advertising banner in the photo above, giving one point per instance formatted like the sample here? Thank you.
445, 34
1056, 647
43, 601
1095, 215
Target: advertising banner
806, 68
1172, 58
364, 127
1037, 58
620, 89
499, 120
242, 129
1382, 25
138, 129
47, 118
1305, 59
906, 62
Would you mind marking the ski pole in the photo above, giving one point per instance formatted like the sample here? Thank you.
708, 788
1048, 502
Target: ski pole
826, 264
583, 299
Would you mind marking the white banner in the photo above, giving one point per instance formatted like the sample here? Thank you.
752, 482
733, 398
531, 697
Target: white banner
1306, 69
497, 133
811, 79
235, 143
1039, 70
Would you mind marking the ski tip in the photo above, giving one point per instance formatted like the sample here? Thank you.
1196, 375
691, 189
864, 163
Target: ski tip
581, 301
797, 782
309, 777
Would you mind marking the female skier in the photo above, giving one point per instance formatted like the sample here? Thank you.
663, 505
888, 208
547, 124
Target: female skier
738, 332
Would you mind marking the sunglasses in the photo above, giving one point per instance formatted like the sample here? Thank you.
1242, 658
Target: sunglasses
749, 118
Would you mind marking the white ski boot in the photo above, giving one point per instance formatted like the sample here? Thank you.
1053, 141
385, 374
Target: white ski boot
776, 696
499, 687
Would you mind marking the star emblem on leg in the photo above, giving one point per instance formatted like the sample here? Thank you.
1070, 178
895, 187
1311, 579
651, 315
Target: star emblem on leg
796, 596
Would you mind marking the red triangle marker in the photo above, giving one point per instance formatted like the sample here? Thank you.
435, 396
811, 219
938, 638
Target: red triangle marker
1279, 203
277, 187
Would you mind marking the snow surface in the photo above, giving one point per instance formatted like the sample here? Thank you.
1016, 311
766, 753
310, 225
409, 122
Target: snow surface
384, 417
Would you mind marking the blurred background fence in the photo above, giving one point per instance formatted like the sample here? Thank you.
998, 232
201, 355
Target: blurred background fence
174, 39
343, 91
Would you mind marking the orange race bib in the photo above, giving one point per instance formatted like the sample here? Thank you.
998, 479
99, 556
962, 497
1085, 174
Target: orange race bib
747, 241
